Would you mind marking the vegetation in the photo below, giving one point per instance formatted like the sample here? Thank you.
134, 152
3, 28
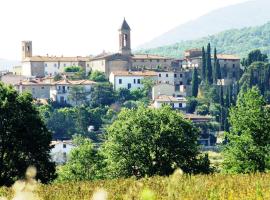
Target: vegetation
72, 69
24, 138
98, 76
212, 187
84, 162
248, 147
169, 142
235, 41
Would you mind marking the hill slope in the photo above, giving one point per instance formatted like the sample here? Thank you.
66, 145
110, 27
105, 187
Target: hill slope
250, 13
236, 41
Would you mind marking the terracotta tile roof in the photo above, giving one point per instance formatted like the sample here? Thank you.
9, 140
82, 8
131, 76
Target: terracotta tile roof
165, 98
74, 82
228, 57
148, 56
61, 82
56, 59
134, 73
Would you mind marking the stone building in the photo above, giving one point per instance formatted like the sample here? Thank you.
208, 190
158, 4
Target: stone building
124, 60
41, 66
229, 64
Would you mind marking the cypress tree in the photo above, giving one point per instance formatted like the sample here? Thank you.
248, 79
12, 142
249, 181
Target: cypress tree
215, 66
195, 83
203, 72
221, 97
209, 75
218, 71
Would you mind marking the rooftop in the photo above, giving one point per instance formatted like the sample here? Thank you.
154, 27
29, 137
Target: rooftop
125, 25
149, 56
57, 59
33, 82
134, 73
165, 98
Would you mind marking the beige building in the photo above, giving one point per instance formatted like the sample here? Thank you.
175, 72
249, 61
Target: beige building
124, 60
229, 64
40, 66
176, 103
37, 87
167, 90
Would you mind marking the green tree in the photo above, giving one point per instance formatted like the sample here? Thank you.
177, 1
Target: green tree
72, 69
102, 94
84, 163
123, 94
248, 146
151, 142
203, 72
78, 95
98, 76
24, 139
209, 75
254, 56
195, 83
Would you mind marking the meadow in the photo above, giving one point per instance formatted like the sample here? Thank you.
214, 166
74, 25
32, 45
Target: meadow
175, 187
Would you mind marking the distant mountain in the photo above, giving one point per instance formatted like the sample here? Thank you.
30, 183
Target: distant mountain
235, 41
8, 64
250, 13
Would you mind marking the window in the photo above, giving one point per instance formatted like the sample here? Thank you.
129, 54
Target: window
134, 81
120, 81
181, 75
64, 146
175, 75
42, 87
139, 81
45, 65
181, 82
55, 65
159, 75
150, 60
167, 75
180, 105
129, 85
233, 65
172, 105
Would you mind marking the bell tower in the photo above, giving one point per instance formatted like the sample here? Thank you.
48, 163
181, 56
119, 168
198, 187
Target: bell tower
124, 39
26, 49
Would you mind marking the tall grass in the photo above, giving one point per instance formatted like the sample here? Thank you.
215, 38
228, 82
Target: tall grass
177, 186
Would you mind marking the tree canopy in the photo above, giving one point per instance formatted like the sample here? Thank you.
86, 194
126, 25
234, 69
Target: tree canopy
24, 139
248, 140
147, 141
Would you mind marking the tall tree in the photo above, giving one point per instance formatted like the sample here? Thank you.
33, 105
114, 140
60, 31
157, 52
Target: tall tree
195, 83
203, 72
209, 75
248, 146
215, 67
169, 141
24, 139
78, 95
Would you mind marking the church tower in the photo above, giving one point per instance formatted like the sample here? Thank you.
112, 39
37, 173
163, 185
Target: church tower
26, 49
124, 39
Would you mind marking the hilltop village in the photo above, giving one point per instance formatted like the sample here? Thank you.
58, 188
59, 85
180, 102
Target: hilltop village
66, 81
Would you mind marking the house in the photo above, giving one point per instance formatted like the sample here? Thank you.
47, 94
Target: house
60, 91
179, 103
60, 150
168, 90
207, 138
37, 87
130, 79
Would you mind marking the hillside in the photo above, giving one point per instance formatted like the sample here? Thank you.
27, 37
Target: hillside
250, 13
8, 64
235, 41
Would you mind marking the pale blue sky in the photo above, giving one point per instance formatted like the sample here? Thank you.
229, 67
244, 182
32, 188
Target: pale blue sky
83, 27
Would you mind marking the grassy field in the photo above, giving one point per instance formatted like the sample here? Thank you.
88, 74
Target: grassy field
177, 186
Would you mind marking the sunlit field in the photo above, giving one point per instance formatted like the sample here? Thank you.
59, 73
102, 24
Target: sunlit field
232, 187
